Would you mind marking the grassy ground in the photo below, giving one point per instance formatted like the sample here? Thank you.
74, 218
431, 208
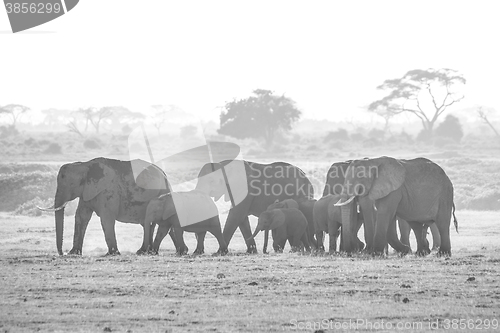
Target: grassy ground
41, 291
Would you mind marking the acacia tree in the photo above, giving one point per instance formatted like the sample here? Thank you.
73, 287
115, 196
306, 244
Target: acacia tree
259, 116
424, 93
95, 115
15, 111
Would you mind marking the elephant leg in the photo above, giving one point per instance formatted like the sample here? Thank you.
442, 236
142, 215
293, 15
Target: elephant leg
393, 240
421, 236
82, 218
279, 241
163, 230
359, 244
310, 236
443, 223
217, 232
238, 217
246, 231
108, 227
368, 213
385, 216
179, 236
436, 237
266, 240
295, 242
333, 232
320, 235
147, 248
404, 229
200, 243
305, 241
171, 233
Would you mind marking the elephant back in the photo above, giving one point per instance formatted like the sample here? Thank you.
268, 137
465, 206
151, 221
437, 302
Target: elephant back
193, 207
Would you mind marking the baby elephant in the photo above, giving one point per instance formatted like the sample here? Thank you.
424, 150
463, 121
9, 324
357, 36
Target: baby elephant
328, 218
285, 223
192, 211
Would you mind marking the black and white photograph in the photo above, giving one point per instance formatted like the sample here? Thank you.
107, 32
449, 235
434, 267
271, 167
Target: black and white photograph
249, 166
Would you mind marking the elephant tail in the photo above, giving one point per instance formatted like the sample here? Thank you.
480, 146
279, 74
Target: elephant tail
455, 222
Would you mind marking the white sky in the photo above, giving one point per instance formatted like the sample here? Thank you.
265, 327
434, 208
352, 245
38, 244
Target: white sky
328, 56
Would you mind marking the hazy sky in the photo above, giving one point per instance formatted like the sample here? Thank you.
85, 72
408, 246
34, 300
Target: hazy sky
328, 56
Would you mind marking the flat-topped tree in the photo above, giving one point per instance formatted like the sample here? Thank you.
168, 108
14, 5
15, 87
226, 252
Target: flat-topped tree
14, 111
424, 93
259, 116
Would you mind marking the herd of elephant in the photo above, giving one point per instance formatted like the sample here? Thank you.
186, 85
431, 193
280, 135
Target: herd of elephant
374, 193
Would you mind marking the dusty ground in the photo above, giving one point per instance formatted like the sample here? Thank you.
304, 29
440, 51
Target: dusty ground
41, 291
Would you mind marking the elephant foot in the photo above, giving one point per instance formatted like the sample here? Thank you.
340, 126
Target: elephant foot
141, 252
378, 253
252, 249
182, 251
153, 252
73, 251
319, 250
422, 253
442, 253
112, 253
198, 252
221, 252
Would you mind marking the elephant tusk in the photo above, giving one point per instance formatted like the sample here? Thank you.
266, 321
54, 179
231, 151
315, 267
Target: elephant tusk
340, 203
52, 209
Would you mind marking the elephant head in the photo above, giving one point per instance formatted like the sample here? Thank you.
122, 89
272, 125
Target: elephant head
367, 180
227, 178
84, 180
269, 220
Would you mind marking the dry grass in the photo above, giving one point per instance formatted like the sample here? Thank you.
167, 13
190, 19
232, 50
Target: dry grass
238, 292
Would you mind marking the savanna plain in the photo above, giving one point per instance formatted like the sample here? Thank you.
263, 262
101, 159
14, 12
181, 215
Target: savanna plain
41, 291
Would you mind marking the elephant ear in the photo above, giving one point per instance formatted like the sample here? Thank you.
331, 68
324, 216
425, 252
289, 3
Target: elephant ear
278, 219
99, 177
389, 176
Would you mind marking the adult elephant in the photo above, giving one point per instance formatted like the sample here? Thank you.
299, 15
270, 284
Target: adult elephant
335, 182
417, 190
108, 188
252, 187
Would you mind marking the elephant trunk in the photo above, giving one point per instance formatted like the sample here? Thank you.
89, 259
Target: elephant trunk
59, 222
257, 230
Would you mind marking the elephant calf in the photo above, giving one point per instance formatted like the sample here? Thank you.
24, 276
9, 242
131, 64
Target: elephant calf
285, 223
328, 218
192, 211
